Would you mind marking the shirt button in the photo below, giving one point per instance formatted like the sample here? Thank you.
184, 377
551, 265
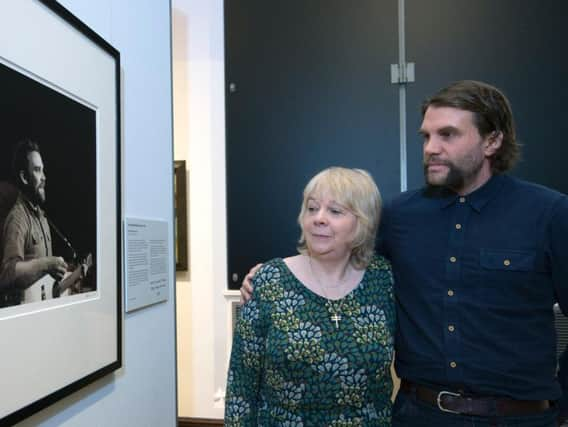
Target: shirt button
458, 226
451, 328
453, 259
507, 263
462, 199
453, 364
450, 293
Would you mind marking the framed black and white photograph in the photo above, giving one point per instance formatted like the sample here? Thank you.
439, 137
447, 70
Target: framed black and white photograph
60, 206
180, 220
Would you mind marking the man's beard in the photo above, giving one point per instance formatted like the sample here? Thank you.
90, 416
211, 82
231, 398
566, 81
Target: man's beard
456, 178
35, 194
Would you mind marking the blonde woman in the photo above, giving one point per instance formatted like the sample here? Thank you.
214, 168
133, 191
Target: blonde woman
314, 345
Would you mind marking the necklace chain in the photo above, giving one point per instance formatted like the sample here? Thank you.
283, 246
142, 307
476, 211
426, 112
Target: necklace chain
334, 309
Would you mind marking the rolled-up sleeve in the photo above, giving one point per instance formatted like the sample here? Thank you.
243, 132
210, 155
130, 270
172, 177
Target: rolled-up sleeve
13, 247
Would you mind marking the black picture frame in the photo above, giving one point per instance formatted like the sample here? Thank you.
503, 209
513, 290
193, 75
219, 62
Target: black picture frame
180, 220
77, 339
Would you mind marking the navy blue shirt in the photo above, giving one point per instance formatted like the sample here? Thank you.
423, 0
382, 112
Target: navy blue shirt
475, 280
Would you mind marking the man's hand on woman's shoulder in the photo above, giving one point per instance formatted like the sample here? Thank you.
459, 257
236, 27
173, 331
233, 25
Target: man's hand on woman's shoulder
246, 287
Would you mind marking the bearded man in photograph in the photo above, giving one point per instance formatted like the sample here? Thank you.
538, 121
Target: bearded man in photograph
26, 244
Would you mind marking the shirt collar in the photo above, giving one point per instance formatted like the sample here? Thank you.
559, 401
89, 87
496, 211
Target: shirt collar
31, 206
477, 199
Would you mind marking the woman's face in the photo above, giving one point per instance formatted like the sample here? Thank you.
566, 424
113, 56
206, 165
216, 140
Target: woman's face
329, 227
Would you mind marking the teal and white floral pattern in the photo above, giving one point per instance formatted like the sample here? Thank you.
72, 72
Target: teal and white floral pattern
236, 410
291, 366
290, 302
333, 366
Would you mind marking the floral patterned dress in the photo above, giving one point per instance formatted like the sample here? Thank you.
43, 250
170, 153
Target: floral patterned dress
292, 366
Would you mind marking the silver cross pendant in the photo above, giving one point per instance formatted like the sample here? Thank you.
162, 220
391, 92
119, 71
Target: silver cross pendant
336, 318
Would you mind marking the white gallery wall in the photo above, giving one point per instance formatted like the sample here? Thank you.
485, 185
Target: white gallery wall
199, 123
143, 391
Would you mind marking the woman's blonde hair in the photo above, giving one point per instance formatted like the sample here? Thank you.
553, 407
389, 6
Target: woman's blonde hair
356, 190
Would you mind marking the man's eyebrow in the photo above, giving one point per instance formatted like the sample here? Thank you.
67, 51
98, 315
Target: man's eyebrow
447, 129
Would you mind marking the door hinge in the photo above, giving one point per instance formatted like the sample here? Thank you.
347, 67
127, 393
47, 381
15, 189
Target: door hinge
402, 74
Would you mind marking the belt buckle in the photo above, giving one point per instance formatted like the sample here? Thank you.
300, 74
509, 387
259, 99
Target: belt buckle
439, 400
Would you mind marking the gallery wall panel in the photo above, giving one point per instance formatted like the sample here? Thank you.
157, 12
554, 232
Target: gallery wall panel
307, 87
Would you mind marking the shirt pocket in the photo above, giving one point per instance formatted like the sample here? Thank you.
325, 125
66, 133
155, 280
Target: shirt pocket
37, 247
508, 260
513, 278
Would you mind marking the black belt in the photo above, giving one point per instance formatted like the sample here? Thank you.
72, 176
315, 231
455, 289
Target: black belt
458, 403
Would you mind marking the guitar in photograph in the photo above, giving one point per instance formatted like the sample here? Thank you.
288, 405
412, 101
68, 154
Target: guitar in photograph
48, 288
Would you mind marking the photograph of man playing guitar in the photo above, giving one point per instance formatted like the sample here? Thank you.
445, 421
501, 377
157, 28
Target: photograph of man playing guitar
29, 270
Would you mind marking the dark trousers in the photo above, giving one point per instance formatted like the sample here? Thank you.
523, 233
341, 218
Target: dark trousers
409, 412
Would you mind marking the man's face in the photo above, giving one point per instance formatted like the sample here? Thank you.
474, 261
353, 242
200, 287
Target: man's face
455, 154
34, 178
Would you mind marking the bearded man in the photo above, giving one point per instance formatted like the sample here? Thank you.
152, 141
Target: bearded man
479, 259
26, 237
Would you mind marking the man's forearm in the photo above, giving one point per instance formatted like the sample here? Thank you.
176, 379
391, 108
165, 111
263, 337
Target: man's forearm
27, 272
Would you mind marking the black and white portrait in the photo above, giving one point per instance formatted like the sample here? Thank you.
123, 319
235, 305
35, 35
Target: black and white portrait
48, 183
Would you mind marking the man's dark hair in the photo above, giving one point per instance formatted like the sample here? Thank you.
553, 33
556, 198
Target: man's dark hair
492, 113
20, 158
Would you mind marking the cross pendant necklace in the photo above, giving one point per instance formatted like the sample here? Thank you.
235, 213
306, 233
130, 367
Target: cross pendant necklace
334, 310
336, 318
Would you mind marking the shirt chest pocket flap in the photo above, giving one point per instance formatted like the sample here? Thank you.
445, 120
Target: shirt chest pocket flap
508, 260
